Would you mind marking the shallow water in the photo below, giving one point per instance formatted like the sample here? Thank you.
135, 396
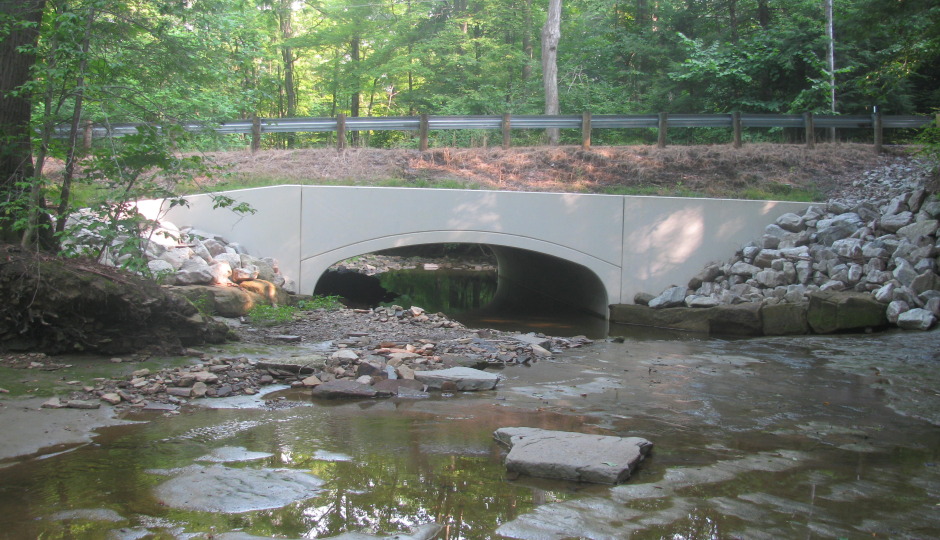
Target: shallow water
815, 437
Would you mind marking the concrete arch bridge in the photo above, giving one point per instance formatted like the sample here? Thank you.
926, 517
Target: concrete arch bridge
587, 250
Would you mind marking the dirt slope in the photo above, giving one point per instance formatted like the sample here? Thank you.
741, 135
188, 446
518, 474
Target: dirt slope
719, 170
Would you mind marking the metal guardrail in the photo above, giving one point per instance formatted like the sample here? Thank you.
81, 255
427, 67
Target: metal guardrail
585, 122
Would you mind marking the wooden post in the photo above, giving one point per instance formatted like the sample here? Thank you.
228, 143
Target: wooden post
340, 132
507, 126
255, 134
810, 131
87, 135
423, 132
663, 123
586, 130
879, 132
736, 128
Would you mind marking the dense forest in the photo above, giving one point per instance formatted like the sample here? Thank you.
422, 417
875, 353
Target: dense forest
73, 62
144, 60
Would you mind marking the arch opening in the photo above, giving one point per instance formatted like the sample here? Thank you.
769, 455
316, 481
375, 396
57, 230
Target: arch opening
482, 286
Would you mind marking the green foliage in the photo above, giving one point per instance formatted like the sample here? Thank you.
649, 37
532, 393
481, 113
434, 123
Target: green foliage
781, 192
929, 139
266, 315
327, 302
136, 167
203, 303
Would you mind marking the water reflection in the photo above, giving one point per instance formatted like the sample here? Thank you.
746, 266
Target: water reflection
755, 438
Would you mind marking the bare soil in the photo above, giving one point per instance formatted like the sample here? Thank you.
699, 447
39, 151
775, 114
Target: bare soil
718, 170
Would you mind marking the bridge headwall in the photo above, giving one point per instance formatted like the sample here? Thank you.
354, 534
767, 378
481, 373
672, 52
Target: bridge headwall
630, 244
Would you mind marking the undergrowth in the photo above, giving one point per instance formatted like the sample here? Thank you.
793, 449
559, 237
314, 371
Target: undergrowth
265, 315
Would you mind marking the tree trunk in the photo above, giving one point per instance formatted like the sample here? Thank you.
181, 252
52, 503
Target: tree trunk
287, 54
643, 14
527, 40
763, 14
551, 35
354, 102
733, 19
72, 155
17, 56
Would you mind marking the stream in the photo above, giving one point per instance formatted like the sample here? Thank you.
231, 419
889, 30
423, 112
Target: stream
806, 437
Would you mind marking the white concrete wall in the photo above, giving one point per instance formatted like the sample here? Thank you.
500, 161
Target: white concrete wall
667, 240
632, 244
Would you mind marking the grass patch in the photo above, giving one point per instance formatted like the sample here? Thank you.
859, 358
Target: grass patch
329, 303
781, 192
653, 191
265, 315
270, 315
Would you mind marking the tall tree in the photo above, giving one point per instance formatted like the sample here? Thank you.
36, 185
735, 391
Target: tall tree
551, 35
19, 32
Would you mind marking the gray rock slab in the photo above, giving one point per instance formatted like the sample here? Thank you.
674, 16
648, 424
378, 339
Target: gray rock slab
532, 339
232, 491
343, 389
299, 364
580, 457
466, 379
228, 454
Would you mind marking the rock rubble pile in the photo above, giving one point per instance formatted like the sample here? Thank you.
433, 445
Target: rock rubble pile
885, 247
185, 256
361, 365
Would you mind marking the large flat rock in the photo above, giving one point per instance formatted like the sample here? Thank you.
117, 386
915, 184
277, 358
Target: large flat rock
465, 379
234, 490
580, 457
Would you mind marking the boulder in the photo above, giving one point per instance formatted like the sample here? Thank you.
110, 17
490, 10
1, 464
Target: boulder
834, 311
274, 294
572, 456
927, 281
233, 490
921, 228
194, 271
917, 319
892, 223
465, 379
343, 389
222, 301
688, 319
671, 297
835, 230
784, 319
736, 320
895, 309
791, 222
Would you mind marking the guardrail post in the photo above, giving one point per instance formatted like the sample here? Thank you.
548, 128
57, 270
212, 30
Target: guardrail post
423, 132
586, 130
810, 130
340, 131
663, 123
507, 126
879, 132
736, 128
255, 133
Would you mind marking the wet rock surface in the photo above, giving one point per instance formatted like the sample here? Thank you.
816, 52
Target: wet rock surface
578, 457
218, 488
